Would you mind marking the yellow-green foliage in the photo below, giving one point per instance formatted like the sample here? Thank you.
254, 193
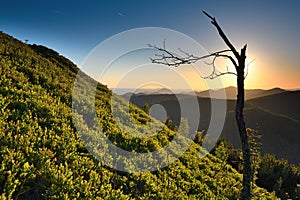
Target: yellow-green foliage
42, 156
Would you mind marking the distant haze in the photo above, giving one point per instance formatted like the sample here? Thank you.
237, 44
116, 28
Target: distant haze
230, 92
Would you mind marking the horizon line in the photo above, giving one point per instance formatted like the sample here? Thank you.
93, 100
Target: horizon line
189, 89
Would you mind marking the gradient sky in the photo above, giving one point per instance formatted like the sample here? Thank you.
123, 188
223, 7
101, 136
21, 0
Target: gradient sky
74, 28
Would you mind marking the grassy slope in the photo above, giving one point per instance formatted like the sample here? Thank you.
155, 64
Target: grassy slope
42, 156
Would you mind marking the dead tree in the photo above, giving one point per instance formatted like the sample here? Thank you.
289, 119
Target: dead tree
238, 60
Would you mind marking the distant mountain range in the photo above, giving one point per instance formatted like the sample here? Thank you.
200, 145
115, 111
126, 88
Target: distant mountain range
142, 91
274, 113
211, 93
231, 93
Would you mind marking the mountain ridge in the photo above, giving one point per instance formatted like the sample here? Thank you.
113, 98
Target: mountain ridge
230, 92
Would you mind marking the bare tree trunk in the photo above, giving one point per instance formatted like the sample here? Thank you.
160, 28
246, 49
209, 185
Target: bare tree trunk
239, 115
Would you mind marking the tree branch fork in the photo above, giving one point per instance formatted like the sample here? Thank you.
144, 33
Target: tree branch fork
169, 58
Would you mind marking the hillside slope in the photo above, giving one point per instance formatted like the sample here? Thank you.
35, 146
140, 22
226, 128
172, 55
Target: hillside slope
278, 127
279, 134
286, 103
42, 156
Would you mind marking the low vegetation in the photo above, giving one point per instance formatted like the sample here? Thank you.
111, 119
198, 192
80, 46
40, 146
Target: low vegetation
276, 175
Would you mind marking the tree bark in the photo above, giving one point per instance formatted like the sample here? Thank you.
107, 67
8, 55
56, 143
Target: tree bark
239, 115
239, 110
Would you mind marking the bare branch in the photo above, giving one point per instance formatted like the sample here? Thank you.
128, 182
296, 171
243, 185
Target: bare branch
222, 34
176, 59
212, 18
172, 59
247, 67
216, 73
230, 58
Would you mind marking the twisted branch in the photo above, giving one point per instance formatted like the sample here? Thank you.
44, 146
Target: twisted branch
215, 72
169, 58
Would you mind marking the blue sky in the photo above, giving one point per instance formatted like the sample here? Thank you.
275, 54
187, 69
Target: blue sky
73, 28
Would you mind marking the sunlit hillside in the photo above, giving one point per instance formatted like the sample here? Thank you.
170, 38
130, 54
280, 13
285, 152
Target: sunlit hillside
43, 157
